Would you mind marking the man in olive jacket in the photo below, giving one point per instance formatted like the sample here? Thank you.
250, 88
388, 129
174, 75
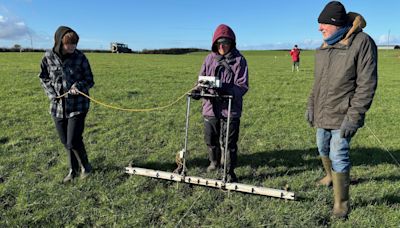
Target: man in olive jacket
345, 80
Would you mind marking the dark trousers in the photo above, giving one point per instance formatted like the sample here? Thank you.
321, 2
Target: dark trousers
70, 131
214, 136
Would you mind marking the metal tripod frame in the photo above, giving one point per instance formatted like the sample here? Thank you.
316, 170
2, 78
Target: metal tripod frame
206, 95
221, 184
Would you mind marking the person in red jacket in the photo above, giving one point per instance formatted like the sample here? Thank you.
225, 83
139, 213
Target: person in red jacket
295, 53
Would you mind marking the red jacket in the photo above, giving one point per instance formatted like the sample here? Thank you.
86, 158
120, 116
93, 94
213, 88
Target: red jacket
295, 53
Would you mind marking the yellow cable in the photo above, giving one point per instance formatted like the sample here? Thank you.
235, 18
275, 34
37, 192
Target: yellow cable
128, 109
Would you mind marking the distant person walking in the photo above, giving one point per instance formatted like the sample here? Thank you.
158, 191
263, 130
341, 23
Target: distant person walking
226, 62
66, 69
295, 53
345, 80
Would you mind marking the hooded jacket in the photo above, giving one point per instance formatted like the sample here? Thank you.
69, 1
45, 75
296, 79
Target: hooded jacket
223, 31
234, 80
345, 78
58, 35
60, 72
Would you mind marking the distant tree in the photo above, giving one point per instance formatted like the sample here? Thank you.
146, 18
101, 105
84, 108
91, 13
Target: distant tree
397, 47
174, 51
17, 46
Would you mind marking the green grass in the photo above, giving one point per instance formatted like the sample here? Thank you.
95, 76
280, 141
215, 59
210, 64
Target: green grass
276, 148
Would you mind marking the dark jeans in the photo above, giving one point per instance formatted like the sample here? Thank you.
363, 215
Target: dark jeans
70, 131
214, 136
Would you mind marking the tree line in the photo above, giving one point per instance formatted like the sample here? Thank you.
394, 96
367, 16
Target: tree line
167, 51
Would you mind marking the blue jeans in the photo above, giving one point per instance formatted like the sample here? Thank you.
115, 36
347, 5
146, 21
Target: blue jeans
331, 145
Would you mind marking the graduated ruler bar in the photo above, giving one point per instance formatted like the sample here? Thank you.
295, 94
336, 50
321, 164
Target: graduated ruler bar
211, 183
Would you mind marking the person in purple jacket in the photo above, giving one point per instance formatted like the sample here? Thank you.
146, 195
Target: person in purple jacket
226, 62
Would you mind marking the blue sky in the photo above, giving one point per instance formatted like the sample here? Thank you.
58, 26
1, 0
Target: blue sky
152, 24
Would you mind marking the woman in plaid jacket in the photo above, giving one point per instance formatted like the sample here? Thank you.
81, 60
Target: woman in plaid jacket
66, 69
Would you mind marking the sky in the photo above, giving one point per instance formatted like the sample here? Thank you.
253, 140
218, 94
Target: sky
157, 24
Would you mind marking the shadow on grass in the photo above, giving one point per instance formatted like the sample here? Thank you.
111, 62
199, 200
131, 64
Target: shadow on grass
292, 162
298, 160
295, 158
389, 199
373, 156
166, 166
4, 140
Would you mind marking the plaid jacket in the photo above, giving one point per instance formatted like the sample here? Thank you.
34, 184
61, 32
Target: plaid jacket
58, 76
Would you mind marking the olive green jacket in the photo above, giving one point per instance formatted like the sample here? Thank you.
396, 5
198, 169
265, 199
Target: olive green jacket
345, 78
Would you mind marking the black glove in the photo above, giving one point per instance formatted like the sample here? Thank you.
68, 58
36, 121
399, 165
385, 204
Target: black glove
195, 94
309, 115
348, 129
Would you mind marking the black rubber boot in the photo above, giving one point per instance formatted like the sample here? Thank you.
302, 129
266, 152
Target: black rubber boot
231, 160
231, 177
214, 155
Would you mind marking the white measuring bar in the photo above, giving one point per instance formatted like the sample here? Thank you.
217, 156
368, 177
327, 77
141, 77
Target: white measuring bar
211, 183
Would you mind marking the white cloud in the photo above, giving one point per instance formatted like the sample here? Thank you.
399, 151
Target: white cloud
310, 43
305, 44
383, 39
13, 29
20, 23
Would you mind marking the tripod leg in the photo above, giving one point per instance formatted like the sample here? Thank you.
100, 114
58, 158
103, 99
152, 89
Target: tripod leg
183, 172
224, 179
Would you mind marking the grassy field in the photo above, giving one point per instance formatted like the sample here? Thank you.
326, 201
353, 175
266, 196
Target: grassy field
276, 148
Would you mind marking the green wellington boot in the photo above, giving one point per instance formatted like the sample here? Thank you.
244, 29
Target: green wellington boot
341, 183
327, 164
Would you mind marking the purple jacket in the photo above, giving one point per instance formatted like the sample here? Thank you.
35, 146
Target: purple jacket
235, 83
